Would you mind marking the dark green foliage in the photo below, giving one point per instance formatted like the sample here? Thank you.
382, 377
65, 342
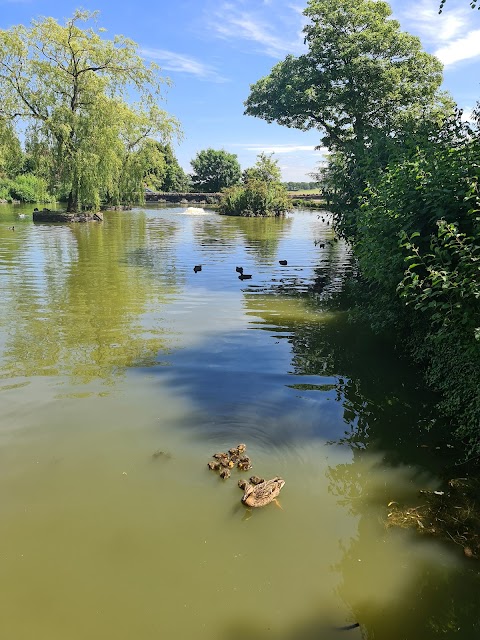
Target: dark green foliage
360, 75
170, 177
417, 241
215, 170
364, 84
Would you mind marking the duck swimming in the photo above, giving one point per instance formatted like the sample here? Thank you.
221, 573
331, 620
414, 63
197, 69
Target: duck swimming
262, 494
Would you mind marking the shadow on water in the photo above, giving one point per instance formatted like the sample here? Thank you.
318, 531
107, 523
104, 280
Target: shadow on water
446, 616
298, 371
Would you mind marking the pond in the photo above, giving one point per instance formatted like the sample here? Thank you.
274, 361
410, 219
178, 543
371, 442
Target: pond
112, 348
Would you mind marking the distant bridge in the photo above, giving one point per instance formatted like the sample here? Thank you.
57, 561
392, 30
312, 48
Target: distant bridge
208, 198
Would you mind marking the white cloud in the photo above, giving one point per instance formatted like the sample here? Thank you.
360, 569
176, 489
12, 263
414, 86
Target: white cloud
435, 28
461, 49
231, 23
449, 34
467, 114
180, 63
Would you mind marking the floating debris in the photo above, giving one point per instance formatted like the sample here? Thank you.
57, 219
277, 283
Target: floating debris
161, 454
451, 515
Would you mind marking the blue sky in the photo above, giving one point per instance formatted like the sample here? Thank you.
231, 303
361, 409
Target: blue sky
214, 49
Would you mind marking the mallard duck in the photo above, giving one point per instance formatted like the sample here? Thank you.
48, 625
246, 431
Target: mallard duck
262, 494
197, 268
283, 263
239, 269
244, 276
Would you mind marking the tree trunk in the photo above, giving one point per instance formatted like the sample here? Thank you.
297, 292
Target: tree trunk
72, 203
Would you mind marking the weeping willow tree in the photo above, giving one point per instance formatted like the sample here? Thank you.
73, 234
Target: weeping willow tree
69, 86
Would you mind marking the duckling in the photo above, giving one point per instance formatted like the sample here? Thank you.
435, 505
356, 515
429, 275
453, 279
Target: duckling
236, 452
219, 456
242, 483
214, 466
197, 268
225, 473
244, 276
244, 464
239, 269
283, 263
256, 480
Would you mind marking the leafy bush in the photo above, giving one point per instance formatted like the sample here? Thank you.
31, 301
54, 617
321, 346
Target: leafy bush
417, 241
255, 198
29, 188
5, 185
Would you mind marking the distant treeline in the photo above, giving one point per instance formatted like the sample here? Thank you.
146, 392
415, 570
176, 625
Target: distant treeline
301, 186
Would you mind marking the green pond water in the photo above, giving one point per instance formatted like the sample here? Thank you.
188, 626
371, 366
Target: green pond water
112, 348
